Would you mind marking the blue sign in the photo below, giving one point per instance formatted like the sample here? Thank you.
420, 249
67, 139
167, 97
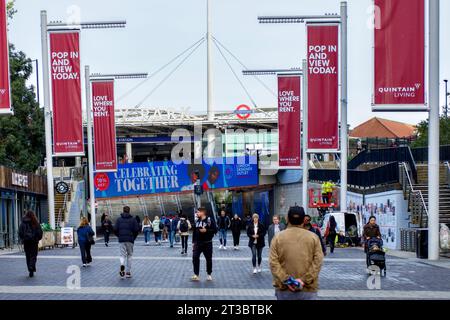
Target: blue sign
165, 176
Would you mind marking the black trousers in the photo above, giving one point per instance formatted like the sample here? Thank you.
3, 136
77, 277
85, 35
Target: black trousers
106, 236
256, 252
207, 249
31, 252
236, 237
331, 238
184, 243
325, 198
85, 249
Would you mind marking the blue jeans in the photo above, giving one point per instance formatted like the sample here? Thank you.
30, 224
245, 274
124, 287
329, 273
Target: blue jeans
146, 235
171, 237
223, 237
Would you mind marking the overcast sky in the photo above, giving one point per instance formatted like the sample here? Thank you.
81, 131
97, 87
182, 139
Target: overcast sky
158, 30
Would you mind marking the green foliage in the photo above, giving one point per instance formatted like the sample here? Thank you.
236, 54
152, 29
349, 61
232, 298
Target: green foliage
46, 227
422, 130
10, 9
22, 137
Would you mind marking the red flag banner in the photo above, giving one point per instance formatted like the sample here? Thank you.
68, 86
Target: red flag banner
5, 87
399, 75
323, 87
105, 149
66, 93
289, 121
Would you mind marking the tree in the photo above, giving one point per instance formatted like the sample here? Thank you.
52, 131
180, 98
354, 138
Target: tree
22, 137
422, 133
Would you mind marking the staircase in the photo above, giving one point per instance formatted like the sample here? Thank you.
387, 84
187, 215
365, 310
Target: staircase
61, 206
422, 186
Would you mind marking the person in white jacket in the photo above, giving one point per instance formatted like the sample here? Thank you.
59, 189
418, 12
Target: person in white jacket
157, 229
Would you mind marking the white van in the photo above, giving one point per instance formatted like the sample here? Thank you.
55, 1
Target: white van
346, 223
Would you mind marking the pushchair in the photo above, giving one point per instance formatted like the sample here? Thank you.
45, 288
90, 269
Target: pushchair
375, 255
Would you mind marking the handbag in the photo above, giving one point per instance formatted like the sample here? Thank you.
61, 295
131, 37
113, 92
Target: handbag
90, 239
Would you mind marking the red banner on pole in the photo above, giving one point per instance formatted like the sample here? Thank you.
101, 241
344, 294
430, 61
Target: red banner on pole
105, 149
5, 87
66, 93
289, 115
323, 87
399, 55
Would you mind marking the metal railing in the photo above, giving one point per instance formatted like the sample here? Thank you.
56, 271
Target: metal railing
416, 201
421, 154
447, 166
315, 160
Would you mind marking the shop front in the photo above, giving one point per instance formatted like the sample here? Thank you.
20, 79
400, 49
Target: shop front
19, 192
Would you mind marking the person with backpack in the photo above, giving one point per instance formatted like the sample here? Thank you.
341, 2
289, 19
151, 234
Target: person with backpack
236, 226
157, 229
171, 225
127, 230
204, 230
107, 228
30, 232
146, 229
224, 224
163, 228
183, 227
85, 241
330, 232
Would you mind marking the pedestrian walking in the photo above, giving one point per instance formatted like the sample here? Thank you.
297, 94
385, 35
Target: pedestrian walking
165, 234
256, 242
30, 232
236, 227
85, 241
371, 230
224, 224
127, 230
276, 227
157, 229
146, 229
330, 232
204, 230
183, 227
138, 220
107, 228
295, 260
171, 225
308, 226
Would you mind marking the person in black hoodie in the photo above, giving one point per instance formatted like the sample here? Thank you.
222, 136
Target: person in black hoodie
107, 228
204, 230
236, 226
126, 229
30, 232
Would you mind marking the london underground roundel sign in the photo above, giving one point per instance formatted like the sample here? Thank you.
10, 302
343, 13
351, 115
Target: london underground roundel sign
243, 112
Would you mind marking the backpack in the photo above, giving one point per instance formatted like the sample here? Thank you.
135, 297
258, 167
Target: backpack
28, 234
184, 227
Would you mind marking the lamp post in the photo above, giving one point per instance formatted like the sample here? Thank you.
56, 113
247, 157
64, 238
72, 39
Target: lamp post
342, 19
88, 78
45, 26
446, 99
37, 80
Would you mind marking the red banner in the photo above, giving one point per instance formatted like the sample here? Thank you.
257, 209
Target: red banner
5, 88
323, 87
66, 93
289, 121
104, 126
399, 53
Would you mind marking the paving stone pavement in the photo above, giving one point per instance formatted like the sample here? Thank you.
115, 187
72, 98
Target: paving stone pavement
160, 272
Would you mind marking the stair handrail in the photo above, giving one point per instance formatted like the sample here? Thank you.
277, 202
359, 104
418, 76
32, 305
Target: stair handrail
317, 160
412, 190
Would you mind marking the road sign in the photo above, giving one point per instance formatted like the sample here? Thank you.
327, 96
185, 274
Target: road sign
243, 112
62, 187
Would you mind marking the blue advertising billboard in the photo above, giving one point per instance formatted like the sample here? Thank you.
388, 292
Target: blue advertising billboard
165, 176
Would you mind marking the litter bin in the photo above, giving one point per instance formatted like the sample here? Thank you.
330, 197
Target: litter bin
422, 243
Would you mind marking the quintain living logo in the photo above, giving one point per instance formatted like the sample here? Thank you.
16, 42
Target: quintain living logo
418, 85
2, 92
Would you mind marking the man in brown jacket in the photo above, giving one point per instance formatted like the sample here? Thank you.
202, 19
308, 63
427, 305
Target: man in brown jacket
296, 252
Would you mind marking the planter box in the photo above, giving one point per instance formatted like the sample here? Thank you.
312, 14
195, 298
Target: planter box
48, 240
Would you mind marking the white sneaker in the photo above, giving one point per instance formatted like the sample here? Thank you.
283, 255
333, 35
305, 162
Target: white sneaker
259, 270
224, 248
84, 265
220, 247
209, 278
255, 270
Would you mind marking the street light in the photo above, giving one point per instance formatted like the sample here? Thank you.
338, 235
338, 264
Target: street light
341, 18
37, 80
446, 99
45, 27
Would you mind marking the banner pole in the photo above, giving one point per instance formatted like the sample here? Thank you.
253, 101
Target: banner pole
90, 151
305, 136
48, 119
433, 151
344, 102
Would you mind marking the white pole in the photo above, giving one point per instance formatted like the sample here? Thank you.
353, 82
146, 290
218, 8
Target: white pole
48, 119
305, 136
90, 149
209, 63
433, 151
344, 92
